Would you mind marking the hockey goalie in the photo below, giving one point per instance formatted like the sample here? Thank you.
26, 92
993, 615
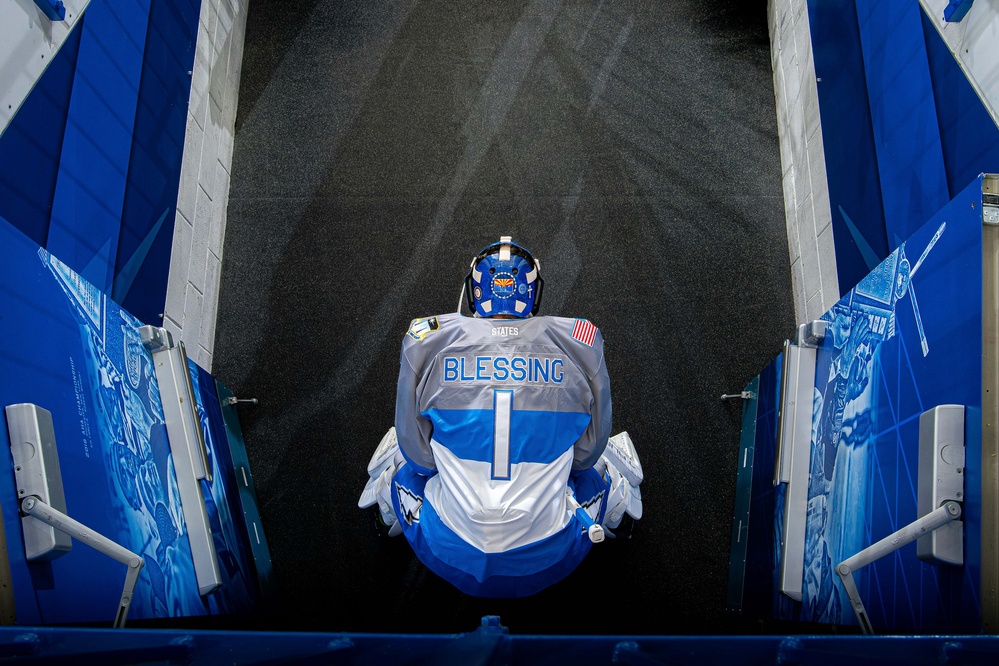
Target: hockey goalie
500, 470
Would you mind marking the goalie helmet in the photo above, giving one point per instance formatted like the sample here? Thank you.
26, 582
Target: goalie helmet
504, 279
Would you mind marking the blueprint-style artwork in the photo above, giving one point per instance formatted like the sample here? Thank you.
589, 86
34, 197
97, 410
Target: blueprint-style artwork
67, 347
906, 339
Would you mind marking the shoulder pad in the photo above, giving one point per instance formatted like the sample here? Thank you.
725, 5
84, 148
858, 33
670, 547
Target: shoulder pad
421, 328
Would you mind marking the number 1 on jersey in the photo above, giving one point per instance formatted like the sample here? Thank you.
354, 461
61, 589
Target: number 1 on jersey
502, 415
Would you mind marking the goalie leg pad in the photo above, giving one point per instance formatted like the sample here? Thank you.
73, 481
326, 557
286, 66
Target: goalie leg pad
378, 490
620, 466
622, 453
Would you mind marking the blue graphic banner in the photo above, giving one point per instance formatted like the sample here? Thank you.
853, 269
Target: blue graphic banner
907, 338
65, 346
969, 136
903, 127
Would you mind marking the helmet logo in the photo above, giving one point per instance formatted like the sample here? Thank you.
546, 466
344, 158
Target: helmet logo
478, 293
503, 285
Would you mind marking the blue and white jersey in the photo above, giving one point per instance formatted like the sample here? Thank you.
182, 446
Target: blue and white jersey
498, 412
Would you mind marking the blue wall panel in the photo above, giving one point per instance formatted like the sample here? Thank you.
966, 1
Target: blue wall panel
904, 131
239, 590
90, 190
762, 597
90, 166
847, 131
903, 115
31, 145
142, 259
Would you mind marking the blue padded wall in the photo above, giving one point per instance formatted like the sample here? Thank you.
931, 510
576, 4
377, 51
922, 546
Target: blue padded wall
142, 260
858, 220
90, 165
31, 145
90, 188
903, 115
903, 129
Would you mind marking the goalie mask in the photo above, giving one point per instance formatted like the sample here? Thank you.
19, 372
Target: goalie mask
504, 279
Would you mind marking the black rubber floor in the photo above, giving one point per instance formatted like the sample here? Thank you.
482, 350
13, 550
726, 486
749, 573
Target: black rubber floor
631, 144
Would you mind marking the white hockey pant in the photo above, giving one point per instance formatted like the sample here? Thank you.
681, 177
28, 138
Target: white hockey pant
619, 464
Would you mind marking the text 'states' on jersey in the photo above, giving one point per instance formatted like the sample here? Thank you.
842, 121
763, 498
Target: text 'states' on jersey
421, 328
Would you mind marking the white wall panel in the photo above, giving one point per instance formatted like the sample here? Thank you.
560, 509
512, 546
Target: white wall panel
974, 40
28, 43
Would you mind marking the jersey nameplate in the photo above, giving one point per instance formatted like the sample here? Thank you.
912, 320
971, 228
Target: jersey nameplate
506, 331
527, 369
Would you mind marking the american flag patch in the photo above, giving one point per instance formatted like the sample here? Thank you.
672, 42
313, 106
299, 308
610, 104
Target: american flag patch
584, 331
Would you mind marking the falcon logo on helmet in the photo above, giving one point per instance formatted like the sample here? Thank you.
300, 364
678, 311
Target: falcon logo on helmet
504, 279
